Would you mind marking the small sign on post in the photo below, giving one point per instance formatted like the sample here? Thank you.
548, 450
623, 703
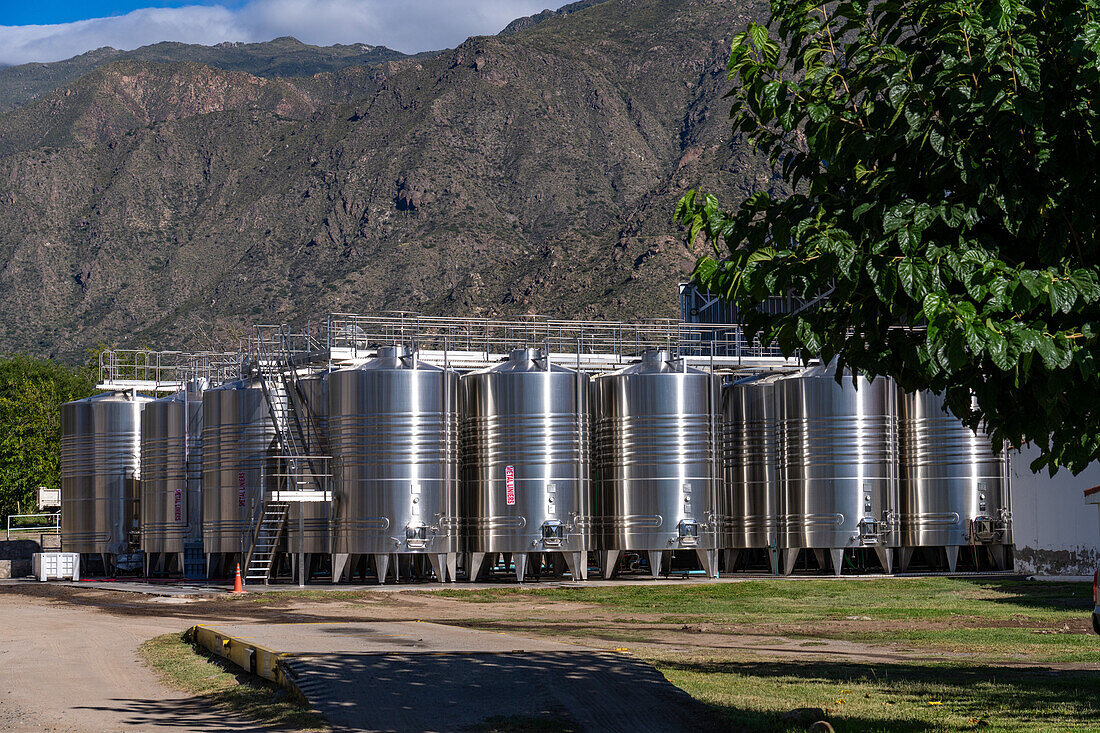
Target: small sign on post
240, 488
510, 485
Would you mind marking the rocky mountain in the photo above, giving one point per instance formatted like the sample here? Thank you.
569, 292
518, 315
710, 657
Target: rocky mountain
522, 24
281, 57
171, 205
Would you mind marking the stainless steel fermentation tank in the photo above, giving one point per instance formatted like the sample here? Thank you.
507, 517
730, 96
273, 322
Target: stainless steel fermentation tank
171, 484
100, 474
954, 488
393, 433
748, 498
656, 461
838, 458
239, 450
525, 464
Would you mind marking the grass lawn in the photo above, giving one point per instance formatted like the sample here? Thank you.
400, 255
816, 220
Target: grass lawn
989, 618
184, 666
991, 621
754, 693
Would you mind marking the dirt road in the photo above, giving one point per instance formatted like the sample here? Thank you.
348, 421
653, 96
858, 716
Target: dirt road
68, 668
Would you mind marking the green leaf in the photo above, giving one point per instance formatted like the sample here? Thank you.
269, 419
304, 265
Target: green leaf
759, 34
1062, 296
913, 276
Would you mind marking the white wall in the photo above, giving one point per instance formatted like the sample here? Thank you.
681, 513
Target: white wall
1055, 530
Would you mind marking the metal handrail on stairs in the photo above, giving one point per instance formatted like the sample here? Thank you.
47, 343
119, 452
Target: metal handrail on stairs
302, 476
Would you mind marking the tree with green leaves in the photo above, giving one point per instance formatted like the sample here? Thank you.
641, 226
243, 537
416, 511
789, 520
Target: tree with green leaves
941, 225
31, 394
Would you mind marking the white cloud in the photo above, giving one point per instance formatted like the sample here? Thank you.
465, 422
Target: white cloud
405, 25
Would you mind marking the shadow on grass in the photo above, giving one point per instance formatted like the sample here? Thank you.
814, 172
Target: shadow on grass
965, 697
1039, 595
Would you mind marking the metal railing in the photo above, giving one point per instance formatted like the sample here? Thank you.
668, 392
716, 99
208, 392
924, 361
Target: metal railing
165, 369
598, 344
53, 526
291, 341
345, 331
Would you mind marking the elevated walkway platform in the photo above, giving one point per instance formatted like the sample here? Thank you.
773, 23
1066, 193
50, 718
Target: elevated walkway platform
463, 344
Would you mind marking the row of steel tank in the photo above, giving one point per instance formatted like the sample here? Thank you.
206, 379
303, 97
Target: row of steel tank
811, 463
678, 463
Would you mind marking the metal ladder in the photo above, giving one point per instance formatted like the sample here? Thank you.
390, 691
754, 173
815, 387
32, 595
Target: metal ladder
279, 383
265, 541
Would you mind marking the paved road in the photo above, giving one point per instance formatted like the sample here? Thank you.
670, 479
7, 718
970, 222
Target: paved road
453, 691
412, 676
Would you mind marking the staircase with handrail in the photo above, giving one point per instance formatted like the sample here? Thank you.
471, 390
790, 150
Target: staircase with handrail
300, 471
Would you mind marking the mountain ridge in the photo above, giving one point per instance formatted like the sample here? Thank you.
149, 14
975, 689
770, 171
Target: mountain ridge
285, 56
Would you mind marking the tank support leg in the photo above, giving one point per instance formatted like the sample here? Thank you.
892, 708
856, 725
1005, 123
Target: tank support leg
952, 557
730, 558
382, 567
709, 560
656, 559
996, 556
404, 566
609, 559
520, 559
577, 562
885, 559
438, 566
773, 560
905, 556
837, 554
450, 562
473, 565
819, 555
339, 565
790, 560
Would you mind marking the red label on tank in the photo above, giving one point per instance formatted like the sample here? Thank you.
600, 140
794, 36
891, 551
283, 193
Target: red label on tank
510, 485
240, 488
179, 505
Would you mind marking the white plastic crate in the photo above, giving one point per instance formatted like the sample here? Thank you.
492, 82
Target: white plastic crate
57, 565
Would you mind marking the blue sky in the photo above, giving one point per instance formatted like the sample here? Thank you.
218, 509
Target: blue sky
50, 31
66, 11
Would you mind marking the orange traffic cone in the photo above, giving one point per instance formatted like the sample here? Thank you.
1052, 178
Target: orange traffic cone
238, 586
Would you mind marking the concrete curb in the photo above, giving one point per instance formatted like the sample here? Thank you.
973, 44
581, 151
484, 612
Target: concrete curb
249, 656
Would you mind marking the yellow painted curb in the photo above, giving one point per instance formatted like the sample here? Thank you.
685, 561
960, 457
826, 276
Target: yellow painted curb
248, 655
